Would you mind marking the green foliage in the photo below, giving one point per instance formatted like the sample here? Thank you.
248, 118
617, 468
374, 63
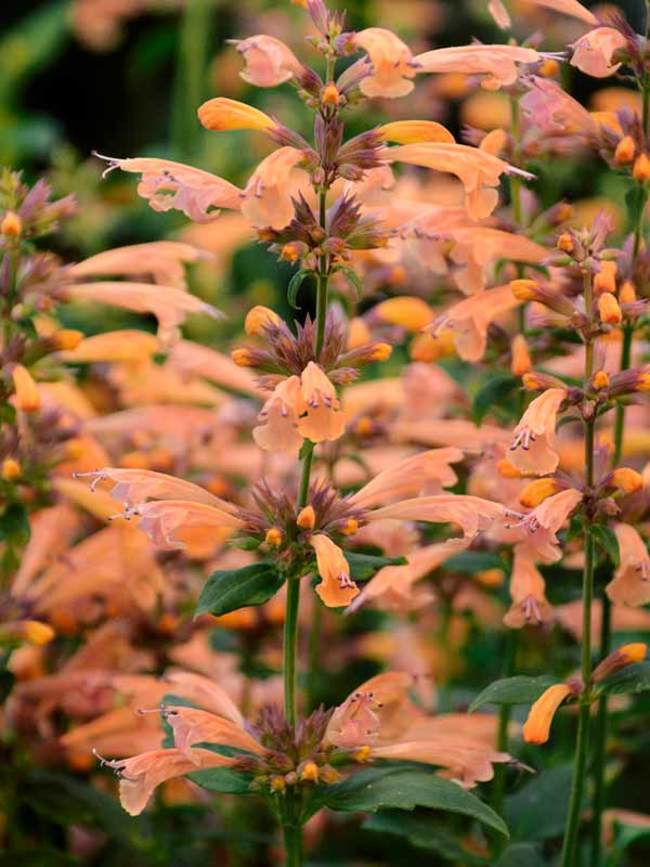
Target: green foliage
294, 285
364, 566
513, 690
422, 832
226, 781
605, 538
228, 590
538, 810
631, 679
493, 393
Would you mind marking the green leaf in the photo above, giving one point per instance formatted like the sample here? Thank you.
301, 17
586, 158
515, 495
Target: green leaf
494, 392
513, 690
222, 780
521, 855
405, 788
14, 524
635, 201
606, 539
422, 832
228, 590
364, 566
294, 285
471, 562
539, 809
631, 679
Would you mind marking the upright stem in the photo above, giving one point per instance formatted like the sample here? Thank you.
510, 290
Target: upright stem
194, 40
582, 742
292, 845
499, 785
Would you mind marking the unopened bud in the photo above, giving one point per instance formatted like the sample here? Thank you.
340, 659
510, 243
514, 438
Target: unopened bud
306, 519
364, 426
32, 631
330, 95
292, 251
641, 168
10, 469
627, 292
329, 775
380, 352
605, 278
350, 527
362, 754
407, 311
549, 68
427, 349
490, 577
259, 318
625, 150
27, 396
277, 783
520, 361
11, 224
623, 656
600, 380
609, 309
66, 339
274, 537
627, 480
565, 243
524, 290
358, 333
308, 773
242, 357
642, 382
536, 492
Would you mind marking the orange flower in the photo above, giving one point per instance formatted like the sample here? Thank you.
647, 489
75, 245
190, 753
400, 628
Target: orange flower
336, 587
498, 63
278, 428
27, 397
269, 61
323, 418
527, 591
392, 69
631, 582
414, 131
163, 260
533, 449
472, 514
266, 200
544, 522
592, 53
537, 726
169, 185
623, 656
222, 113
406, 311
163, 520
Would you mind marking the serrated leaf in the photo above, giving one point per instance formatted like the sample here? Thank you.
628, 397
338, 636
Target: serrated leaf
422, 832
364, 566
402, 788
492, 393
228, 590
513, 690
606, 539
223, 780
294, 285
629, 680
539, 809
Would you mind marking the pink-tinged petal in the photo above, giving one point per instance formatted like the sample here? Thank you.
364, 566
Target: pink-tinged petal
466, 762
269, 61
169, 305
163, 260
533, 448
473, 514
168, 185
278, 428
549, 108
378, 709
409, 477
193, 726
164, 520
497, 62
543, 523
204, 692
199, 360
592, 53
336, 588
500, 14
631, 582
320, 415
266, 200
527, 591
392, 67
140, 775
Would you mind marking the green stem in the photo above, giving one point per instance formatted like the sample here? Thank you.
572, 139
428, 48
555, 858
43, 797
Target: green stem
314, 653
600, 740
189, 84
292, 845
290, 647
499, 785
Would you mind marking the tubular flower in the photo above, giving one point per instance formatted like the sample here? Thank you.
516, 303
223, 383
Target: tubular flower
631, 582
163, 260
323, 417
407, 311
392, 67
498, 63
527, 591
269, 61
222, 113
414, 131
545, 520
27, 397
167, 185
473, 514
278, 428
166, 522
336, 587
593, 52
478, 171
532, 449
469, 320
537, 726
627, 654
266, 200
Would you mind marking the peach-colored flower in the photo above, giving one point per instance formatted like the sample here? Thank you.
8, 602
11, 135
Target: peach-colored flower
269, 61
166, 521
26, 391
592, 53
413, 131
392, 67
469, 320
472, 514
163, 260
168, 304
537, 726
278, 428
533, 448
221, 114
631, 582
266, 200
498, 63
169, 185
478, 171
193, 358
543, 523
129, 345
321, 417
336, 587
409, 477
192, 726
549, 108
572, 8
527, 591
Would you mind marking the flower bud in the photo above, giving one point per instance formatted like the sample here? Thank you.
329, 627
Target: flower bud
549, 68
537, 726
641, 168
490, 577
600, 380
222, 113
11, 224
534, 381
259, 318
565, 243
428, 349
414, 131
623, 656
609, 309
362, 754
27, 396
605, 278
350, 527
642, 382
292, 251
524, 290
308, 773
408, 312
329, 775
627, 292
329, 95
380, 352
66, 339
306, 519
520, 361
32, 631
364, 427
10, 470
625, 150
242, 357
536, 492
274, 537
277, 783
627, 480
